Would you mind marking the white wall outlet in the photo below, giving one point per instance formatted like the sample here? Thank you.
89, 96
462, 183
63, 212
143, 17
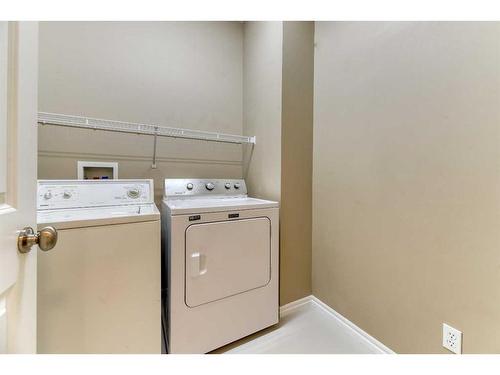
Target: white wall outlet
452, 339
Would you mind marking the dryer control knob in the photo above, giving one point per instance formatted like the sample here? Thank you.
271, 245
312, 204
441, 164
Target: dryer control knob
227, 185
210, 186
66, 195
237, 185
189, 186
47, 195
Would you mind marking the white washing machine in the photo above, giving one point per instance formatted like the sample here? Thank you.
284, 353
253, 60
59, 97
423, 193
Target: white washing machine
221, 263
99, 287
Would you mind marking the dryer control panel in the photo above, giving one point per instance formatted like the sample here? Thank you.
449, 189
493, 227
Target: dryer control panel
183, 187
54, 194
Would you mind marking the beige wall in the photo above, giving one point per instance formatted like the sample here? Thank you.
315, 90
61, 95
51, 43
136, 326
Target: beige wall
277, 108
262, 114
296, 160
262, 64
406, 191
182, 74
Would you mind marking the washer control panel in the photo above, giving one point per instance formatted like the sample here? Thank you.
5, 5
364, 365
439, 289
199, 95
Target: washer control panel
181, 187
54, 194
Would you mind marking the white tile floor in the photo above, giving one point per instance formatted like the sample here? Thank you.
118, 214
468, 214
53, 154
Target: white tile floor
305, 329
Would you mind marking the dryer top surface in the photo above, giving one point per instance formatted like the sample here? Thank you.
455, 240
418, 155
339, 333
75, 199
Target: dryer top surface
203, 205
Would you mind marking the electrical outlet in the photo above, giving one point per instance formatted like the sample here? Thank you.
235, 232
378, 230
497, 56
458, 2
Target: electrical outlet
452, 339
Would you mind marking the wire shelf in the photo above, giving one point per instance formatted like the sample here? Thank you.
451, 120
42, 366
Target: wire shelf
57, 119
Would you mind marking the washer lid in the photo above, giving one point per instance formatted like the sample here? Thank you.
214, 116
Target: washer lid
199, 205
95, 216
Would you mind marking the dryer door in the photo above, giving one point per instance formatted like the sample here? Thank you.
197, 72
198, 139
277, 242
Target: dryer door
226, 258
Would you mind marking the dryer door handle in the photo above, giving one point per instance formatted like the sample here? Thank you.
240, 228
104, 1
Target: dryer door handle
198, 264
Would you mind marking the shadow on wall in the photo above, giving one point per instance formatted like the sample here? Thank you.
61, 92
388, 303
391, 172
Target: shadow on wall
247, 158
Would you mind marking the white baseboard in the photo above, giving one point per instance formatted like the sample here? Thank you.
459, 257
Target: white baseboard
293, 305
377, 345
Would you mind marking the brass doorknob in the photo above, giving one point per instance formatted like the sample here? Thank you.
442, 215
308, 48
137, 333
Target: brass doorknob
45, 238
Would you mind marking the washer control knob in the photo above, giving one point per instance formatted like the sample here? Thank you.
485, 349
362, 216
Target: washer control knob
66, 195
189, 186
210, 186
227, 185
237, 185
134, 193
47, 195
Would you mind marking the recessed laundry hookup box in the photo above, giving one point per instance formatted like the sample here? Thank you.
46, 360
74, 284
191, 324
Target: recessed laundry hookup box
96, 170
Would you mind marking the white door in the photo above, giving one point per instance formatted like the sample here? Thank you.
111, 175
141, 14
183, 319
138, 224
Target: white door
18, 153
226, 258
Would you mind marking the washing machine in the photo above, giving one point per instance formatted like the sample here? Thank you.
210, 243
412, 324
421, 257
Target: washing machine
99, 288
220, 263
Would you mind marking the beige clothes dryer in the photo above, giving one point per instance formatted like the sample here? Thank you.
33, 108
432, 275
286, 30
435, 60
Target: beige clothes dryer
220, 254
99, 288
